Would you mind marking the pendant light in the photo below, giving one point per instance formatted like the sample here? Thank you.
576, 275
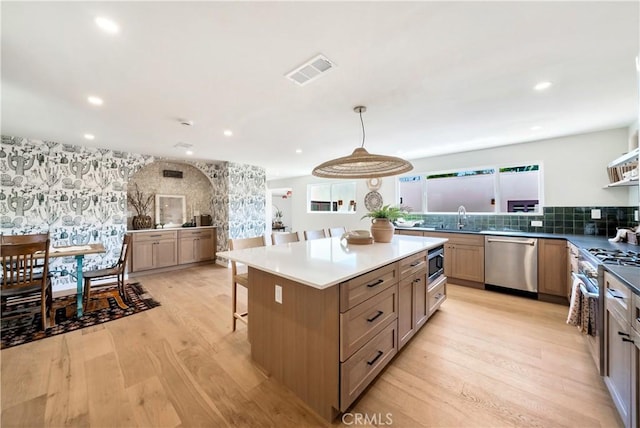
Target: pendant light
362, 164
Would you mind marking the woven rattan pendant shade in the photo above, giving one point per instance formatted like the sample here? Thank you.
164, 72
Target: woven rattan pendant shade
362, 164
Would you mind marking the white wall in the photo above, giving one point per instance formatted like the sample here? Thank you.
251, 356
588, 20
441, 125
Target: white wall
575, 171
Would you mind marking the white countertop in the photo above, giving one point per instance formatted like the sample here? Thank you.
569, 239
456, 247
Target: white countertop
322, 263
170, 228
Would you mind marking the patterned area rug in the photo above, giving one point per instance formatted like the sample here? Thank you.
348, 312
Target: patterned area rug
103, 305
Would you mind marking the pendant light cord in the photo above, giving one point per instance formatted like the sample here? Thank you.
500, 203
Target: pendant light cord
362, 123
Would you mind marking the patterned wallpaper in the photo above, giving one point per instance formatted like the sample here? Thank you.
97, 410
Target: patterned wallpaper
78, 195
194, 185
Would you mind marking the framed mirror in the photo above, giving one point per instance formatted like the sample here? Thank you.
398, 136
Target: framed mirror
171, 210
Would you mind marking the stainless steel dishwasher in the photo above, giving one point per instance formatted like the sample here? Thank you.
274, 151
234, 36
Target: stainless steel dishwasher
511, 262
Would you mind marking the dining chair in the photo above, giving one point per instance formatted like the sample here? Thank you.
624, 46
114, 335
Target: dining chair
314, 234
25, 261
284, 237
116, 272
337, 231
241, 278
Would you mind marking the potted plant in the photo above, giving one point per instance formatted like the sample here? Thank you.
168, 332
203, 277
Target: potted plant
141, 204
382, 222
277, 217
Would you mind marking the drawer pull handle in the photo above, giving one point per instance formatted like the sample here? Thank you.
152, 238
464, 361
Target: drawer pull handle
615, 293
155, 236
624, 339
372, 319
417, 280
622, 333
438, 296
378, 282
378, 355
414, 264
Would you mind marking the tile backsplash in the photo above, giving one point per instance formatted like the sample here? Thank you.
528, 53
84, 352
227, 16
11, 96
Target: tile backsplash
565, 220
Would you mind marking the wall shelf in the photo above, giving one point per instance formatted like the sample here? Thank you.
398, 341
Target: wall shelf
624, 165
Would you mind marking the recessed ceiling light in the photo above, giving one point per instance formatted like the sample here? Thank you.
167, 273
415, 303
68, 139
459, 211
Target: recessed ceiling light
189, 152
89, 136
536, 128
228, 133
298, 151
107, 25
96, 101
541, 86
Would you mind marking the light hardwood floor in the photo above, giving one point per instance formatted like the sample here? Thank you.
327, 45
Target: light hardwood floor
484, 360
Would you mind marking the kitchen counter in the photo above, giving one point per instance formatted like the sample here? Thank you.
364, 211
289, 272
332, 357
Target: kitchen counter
628, 274
325, 317
322, 263
582, 241
170, 228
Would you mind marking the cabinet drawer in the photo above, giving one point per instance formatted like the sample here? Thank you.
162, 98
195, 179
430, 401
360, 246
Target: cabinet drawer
154, 236
412, 264
198, 233
360, 324
635, 313
359, 370
617, 297
437, 292
409, 232
359, 289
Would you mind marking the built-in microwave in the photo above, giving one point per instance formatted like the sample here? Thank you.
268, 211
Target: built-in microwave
436, 262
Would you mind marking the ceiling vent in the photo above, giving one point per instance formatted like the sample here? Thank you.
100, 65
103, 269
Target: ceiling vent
311, 70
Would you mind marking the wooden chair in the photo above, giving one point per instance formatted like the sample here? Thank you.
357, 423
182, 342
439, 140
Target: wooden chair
337, 231
116, 272
314, 234
241, 278
25, 262
284, 237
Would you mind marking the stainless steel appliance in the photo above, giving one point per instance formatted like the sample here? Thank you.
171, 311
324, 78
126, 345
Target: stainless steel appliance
511, 262
436, 262
591, 272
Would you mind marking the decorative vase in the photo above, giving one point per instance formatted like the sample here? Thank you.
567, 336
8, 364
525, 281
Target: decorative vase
381, 229
141, 222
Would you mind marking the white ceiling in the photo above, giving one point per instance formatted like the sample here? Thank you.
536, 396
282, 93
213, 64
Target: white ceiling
437, 77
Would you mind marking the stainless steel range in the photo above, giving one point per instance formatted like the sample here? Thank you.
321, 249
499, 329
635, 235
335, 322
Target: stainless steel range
591, 272
616, 257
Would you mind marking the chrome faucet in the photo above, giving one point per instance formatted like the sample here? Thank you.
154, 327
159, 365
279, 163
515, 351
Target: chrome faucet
462, 216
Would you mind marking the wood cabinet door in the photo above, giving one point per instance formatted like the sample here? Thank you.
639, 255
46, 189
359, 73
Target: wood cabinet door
405, 311
448, 260
165, 253
142, 256
618, 364
467, 262
187, 250
204, 247
552, 267
420, 300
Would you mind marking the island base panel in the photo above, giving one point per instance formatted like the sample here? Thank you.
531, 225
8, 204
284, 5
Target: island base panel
297, 341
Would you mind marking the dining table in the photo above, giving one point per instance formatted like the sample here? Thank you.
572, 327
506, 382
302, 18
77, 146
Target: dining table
77, 251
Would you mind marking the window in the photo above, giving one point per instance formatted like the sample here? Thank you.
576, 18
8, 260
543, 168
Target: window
332, 197
507, 189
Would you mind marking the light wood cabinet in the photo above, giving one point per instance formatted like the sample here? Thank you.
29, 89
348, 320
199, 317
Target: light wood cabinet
463, 255
337, 339
552, 267
619, 346
153, 250
170, 249
412, 296
196, 245
635, 361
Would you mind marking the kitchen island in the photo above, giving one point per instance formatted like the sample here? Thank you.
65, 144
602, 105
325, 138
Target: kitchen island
325, 317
